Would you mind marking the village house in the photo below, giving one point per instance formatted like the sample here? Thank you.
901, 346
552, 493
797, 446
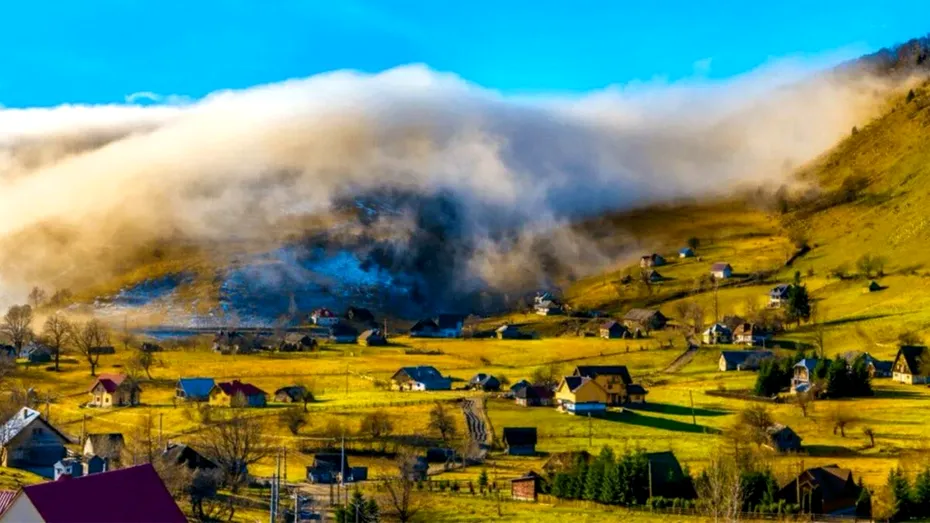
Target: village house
686, 252
545, 304
742, 359
636, 394
651, 260
31, 443
442, 326
873, 286
194, 389
778, 296
237, 394
130, 495
290, 394
644, 320
721, 270
235, 342
418, 469
803, 374
103, 350
36, 353
519, 385
579, 395
526, 487
78, 466
877, 368
114, 390
324, 317
109, 446
752, 334
533, 396
614, 380
328, 467
360, 315
667, 478
829, 490
484, 382
296, 342
613, 330
782, 439
508, 332
423, 377
654, 277
909, 365
342, 333
372, 338
520, 441
182, 454
718, 334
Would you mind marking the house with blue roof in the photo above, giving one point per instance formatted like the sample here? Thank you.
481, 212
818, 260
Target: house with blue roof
804, 374
686, 252
194, 389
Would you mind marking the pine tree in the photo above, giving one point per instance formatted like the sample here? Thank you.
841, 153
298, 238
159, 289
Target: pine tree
798, 305
922, 494
561, 485
838, 383
900, 490
861, 380
864, 503
483, 480
579, 479
594, 479
610, 480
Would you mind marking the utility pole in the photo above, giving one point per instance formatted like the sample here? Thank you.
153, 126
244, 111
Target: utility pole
83, 428
273, 514
296, 504
342, 464
161, 420
691, 395
48, 402
649, 464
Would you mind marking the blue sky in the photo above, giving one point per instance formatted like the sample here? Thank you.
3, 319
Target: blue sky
100, 51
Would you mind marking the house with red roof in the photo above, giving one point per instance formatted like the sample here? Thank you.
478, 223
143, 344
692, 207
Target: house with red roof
114, 390
237, 394
130, 495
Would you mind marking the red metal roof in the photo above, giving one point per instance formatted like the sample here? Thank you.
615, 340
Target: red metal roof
6, 499
110, 382
232, 388
130, 495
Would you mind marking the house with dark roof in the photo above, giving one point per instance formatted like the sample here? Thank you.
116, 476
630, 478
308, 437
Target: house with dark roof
533, 396
668, 478
613, 330
873, 286
441, 326
829, 490
324, 317
519, 385
360, 315
103, 350
36, 353
327, 468
743, 359
67, 467
911, 365
296, 342
290, 394
423, 377
803, 374
182, 454
615, 380
484, 382
654, 276
651, 260
106, 445
372, 338
237, 394
782, 439
545, 304
114, 390
194, 389
130, 495
752, 334
526, 487
520, 441
778, 296
717, 334
645, 320
721, 270
686, 252
31, 443
342, 333
418, 469
580, 395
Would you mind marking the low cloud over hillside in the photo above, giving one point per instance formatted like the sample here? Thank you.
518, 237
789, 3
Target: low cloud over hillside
448, 182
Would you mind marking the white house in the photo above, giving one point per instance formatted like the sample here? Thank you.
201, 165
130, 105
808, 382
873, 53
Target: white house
721, 270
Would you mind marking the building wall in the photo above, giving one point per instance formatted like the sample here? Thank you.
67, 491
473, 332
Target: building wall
21, 511
524, 490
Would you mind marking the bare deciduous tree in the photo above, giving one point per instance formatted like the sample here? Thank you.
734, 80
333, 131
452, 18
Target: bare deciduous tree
87, 339
842, 418
441, 421
754, 421
305, 394
376, 425
17, 324
294, 419
142, 443
719, 487
401, 489
144, 361
869, 432
547, 375
805, 402
37, 297
57, 332
234, 443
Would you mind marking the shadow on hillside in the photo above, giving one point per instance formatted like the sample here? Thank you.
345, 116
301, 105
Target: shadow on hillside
790, 345
900, 394
632, 418
850, 319
829, 451
676, 410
